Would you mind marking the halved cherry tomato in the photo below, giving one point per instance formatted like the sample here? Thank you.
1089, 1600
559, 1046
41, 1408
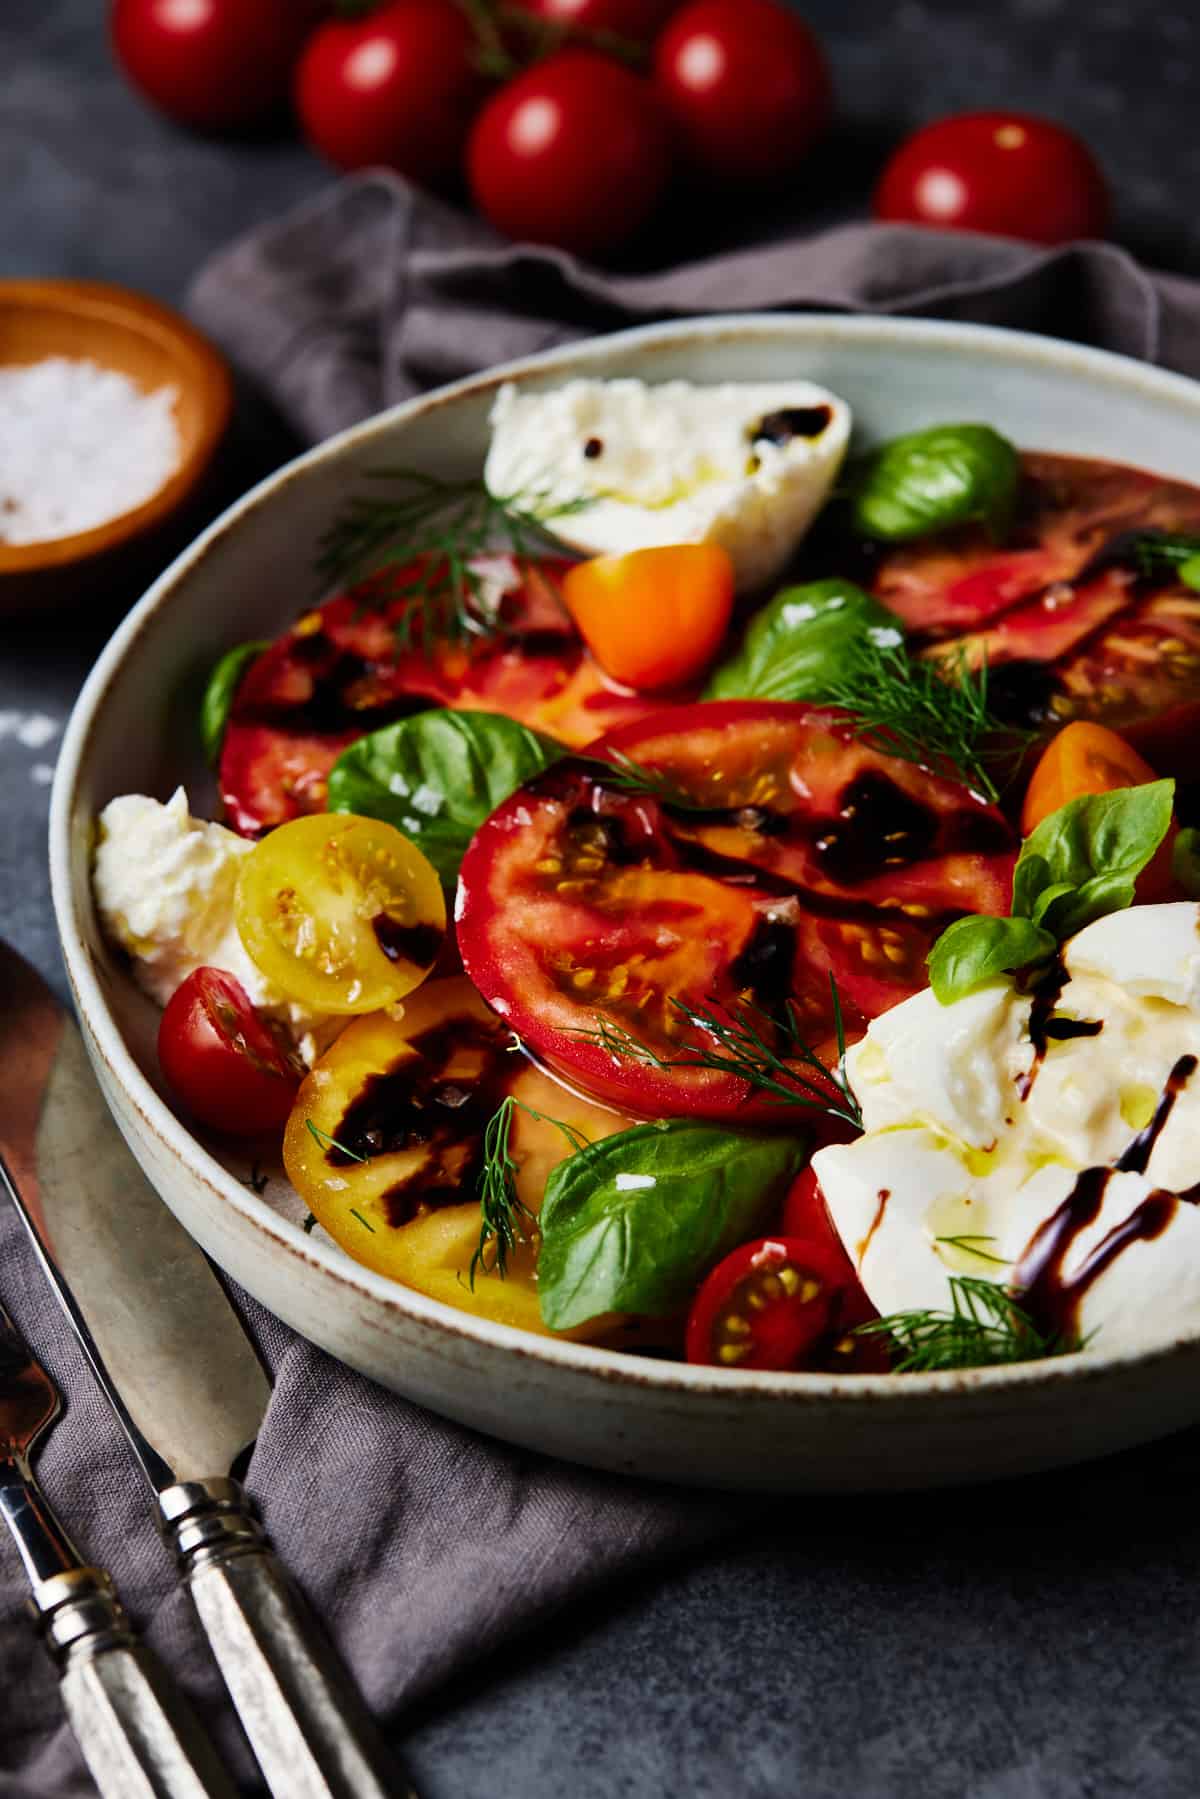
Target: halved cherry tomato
385, 1145
586, 910
769, 1304
342, 671
806, 1215
1068, 622
1082, 758
654, 618
221, 1058
343, 913
1086, 758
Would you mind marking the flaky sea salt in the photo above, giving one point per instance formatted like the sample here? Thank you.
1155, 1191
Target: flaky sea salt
79, 445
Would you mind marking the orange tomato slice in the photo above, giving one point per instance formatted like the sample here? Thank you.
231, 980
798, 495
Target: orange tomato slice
654, 618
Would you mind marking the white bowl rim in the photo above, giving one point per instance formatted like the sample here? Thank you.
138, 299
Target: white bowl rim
616, 1367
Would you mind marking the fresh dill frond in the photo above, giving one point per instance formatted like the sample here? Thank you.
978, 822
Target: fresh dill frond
326, 1142
985, 1326
741, 1046
504, 1216
362, 1220
968, 1245
1158, 552
932, 711
421, 543
309, 1224
256, 1180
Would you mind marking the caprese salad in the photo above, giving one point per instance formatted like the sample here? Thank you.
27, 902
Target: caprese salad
706, 890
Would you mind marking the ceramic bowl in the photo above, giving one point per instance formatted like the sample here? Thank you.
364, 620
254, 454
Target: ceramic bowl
134, 729
154, 347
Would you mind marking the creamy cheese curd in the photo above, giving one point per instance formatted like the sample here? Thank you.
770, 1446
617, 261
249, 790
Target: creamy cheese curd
164, 885
952, 1150
745, 465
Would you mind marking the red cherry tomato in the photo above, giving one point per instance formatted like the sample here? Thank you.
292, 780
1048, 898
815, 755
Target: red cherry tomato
398, 88
215, 64
805, 1215
575, 152
221, 1058
637, 20
767, 1305
1002, 172
746, 85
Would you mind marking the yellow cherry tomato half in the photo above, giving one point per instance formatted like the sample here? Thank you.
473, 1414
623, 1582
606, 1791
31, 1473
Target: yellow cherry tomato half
343, 913
654, 618
385, 1145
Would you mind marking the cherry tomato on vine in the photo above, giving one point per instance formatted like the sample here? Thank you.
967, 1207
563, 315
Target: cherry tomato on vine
636, 20
1001, 172
215, 64
221, 1058
397, 87
575, 152
653, 618
746, 85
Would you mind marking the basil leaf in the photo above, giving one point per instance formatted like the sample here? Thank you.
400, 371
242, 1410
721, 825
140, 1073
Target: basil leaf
947, 475
1083, 860
630, 1224
1185, 861
218, 699
437, 776
974, 950
796, 647
1080, 863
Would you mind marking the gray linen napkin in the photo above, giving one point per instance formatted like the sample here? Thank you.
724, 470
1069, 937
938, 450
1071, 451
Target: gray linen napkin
423, 1546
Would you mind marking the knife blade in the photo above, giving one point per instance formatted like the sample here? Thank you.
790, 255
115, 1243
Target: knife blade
187, 1388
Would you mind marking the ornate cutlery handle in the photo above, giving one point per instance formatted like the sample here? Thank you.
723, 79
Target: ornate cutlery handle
307, 1725
138, 1735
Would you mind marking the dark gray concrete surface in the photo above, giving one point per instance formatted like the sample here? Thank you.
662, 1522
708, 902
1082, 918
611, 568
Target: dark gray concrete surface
1033, 1642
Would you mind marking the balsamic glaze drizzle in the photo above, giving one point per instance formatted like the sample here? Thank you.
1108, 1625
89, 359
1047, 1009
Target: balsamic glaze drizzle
418, 1104
1039, 1283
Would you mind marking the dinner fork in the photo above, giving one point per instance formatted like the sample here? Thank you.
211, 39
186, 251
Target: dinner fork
138, 1734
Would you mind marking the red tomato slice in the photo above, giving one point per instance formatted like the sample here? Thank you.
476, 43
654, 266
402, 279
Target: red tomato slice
584, 908
1069, 625
341, 672
222, 1059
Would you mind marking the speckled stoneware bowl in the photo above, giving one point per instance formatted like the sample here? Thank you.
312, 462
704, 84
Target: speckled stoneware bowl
134, 729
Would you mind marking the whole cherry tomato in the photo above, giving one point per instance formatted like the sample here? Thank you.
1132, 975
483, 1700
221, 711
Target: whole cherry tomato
746, 85
1002, 172
215, 64
653, 618
222, 1059
637, 20
575, 152
398, 87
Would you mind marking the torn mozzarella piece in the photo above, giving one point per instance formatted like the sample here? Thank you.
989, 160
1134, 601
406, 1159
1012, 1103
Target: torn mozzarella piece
744, 465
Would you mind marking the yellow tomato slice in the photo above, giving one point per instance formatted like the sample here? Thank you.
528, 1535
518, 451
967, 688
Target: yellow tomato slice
412, 1097
343, 913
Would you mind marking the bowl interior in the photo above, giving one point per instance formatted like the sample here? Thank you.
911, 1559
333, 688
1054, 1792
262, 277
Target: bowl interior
134, 727
140, 339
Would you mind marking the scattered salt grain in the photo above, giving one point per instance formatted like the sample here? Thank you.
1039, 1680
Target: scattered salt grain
79, 445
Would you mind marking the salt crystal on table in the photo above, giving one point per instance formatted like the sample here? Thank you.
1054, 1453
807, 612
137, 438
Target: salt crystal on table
79, 445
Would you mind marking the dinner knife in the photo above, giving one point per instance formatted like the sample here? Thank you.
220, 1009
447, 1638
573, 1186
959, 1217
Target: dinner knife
187, 1389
